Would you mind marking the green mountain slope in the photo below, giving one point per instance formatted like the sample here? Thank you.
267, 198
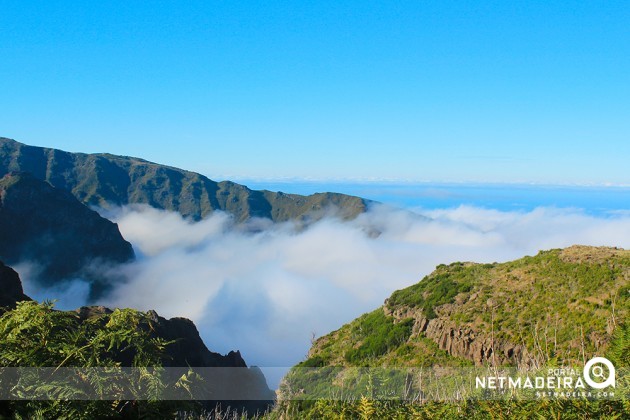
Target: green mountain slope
419, 354
560, 306
105, 180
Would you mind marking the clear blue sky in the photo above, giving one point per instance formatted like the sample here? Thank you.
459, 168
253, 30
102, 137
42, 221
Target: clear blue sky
424, 90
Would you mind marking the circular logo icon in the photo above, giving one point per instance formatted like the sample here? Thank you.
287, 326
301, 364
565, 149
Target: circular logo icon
604, 377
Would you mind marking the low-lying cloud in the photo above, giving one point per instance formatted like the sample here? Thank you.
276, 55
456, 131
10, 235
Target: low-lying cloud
267, 291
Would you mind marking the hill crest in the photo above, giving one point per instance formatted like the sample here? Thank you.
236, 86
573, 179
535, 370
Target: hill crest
558, 306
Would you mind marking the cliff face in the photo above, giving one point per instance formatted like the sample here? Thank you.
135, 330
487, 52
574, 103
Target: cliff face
48, 227
10, 287
105, 180
560, 305
463, 341
232, 380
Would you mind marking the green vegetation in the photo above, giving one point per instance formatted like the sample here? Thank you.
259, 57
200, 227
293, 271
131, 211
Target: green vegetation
381, 335
35, 335
619, 350
560, 305
439, 288
375, 339
367, 408
362, 402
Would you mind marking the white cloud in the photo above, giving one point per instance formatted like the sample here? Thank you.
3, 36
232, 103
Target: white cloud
139, 222
266, 292
265, 289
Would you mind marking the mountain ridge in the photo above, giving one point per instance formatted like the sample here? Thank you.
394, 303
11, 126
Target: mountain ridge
104, 179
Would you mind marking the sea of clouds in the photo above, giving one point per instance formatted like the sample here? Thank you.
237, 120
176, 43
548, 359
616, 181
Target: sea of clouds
269, 289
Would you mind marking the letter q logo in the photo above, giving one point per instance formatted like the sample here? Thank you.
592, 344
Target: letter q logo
593, 369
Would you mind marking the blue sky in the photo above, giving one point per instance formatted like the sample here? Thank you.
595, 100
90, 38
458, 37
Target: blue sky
411, 90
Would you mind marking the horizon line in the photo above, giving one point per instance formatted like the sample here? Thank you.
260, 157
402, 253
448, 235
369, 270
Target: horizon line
243, 179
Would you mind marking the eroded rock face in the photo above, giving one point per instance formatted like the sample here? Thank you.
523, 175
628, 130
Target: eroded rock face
10, 287
464, 342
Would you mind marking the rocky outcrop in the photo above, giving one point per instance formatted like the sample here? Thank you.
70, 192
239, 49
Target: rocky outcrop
105, 180
188, 348
10, 287
232, 380
62, 238
466, 343
462, 341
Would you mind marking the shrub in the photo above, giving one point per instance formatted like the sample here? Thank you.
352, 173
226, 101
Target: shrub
382, 334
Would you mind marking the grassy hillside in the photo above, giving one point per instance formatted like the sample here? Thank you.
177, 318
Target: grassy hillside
558, 308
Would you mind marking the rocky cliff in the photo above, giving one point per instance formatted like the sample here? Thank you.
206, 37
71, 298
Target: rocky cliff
60, 237
462, 341
105, 180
